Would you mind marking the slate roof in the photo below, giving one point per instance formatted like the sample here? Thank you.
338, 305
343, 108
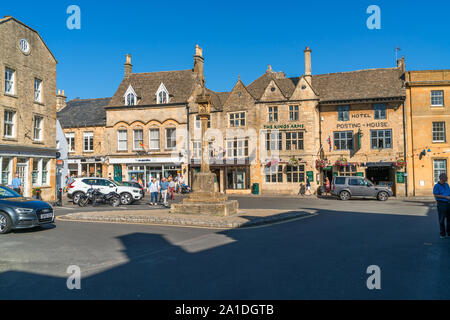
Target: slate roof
180, 85
360, 85
84, 113
354, 85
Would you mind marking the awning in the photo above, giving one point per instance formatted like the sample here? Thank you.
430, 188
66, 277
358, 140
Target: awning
378, 164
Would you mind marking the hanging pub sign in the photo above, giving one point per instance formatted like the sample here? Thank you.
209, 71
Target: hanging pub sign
310, 176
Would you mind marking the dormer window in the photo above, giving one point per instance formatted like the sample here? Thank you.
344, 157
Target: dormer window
162, 95
130, 97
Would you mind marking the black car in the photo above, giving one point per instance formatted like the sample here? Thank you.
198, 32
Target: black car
17, 212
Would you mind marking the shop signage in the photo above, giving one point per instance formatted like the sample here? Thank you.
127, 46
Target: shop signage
284, 126
148, 160
362, 125
310, 176
360, 174
400, 177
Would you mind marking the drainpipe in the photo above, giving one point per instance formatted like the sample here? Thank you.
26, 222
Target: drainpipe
188, 146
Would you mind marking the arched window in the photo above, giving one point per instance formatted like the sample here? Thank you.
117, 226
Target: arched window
162, 95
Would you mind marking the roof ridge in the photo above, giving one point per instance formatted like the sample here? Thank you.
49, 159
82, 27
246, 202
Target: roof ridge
90, 99
145, 73
361, 70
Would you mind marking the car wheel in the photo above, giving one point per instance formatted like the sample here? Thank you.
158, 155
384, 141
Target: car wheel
5, 223
126, 198
344, 195
383, 196
76, 197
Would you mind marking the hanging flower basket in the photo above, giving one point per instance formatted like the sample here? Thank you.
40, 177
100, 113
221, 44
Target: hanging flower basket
293, 162
341, 162
400, 163
320, 164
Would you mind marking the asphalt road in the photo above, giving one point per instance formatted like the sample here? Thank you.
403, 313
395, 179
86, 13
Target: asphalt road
322, 257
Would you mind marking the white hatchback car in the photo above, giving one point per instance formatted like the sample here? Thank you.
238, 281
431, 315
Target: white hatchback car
81, 185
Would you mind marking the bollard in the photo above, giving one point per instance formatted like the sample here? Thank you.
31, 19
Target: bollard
59, 203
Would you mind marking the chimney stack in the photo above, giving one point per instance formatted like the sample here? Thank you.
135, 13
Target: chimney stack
60, 100
198, 63
128, 66
308, 62
401, 64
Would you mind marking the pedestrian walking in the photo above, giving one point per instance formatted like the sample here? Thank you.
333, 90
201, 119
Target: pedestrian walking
164, 188
308, 186
153, 188
17, 184
441, 192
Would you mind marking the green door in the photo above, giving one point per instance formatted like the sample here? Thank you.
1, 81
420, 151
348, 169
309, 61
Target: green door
118, 172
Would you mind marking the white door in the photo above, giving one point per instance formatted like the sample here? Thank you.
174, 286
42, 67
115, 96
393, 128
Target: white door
22, 170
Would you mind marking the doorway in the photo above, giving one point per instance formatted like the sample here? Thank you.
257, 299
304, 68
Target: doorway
22, 170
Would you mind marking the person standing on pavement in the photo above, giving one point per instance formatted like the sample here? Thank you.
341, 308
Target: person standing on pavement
441, 193
308, 186
164, 189
153, 188
17, 184
172, 189
327, 186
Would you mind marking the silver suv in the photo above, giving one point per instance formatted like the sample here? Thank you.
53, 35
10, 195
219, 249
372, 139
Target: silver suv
351, 187
81, 185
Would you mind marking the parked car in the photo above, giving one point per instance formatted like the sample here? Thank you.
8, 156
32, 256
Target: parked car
135, 185
80, 186
352, 187
17, 212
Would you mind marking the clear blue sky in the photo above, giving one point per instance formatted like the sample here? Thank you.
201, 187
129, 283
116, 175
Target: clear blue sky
237, 37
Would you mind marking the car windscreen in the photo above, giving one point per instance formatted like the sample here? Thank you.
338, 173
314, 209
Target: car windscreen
6, 193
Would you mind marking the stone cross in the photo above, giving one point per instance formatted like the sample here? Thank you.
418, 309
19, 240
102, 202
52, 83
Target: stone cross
204, 111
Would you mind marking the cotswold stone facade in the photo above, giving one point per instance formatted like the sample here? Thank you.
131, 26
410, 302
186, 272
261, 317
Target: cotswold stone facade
276, 132
428, 115
27, 109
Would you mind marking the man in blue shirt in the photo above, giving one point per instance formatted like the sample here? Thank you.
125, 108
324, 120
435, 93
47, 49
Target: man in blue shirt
17, 184
441, 193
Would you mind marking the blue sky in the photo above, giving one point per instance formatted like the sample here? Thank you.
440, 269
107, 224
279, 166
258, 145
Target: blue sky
237, 37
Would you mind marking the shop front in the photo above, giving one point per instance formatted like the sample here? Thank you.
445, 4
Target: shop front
86, 167
144, 169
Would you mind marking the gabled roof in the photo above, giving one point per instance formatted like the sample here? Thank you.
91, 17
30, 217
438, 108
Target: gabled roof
360, 85
179, 84
84, 113
355, 85
8, 18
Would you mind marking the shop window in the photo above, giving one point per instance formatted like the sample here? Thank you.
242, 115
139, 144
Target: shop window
293, 113
439, 167
39, 175
381, 139
343, 140
343, 113
294, 140
5, 166
295, 174
236, 178
274, 174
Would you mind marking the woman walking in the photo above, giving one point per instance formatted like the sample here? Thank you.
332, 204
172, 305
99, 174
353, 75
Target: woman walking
153, 188
327, 186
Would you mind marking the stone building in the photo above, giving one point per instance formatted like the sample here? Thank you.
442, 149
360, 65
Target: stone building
83, 122
428, 112
27, 109
276, 132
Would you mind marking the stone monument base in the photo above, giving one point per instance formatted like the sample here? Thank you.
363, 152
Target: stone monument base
204, 201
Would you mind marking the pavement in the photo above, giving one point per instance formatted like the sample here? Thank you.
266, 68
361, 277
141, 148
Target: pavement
325, 256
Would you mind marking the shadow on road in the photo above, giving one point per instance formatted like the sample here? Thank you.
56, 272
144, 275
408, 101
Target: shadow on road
321, 258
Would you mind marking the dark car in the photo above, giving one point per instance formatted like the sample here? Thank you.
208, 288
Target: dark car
135, 185
17, 212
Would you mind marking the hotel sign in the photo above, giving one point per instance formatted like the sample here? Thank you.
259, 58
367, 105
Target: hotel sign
284, 126
362, 125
